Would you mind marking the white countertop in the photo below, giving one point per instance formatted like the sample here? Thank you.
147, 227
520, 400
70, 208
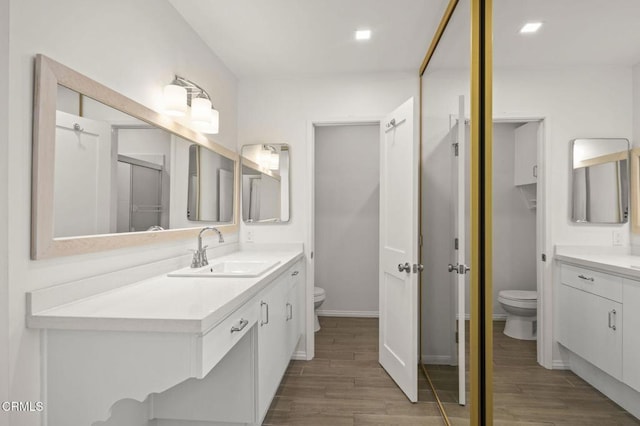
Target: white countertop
624, 264
166, 304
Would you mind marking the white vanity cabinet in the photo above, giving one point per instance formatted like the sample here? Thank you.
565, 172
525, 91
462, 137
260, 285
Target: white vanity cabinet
631, 334
278, 334
590, 324
189, 350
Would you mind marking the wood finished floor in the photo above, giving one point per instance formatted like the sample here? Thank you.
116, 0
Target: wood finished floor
345, 385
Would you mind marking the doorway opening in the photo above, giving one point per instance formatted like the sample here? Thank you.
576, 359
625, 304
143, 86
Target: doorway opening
346, 218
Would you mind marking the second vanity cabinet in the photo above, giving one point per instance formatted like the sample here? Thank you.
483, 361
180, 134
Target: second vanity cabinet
598, 319
591, 317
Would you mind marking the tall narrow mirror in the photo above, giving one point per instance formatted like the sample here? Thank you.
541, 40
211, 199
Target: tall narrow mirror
265, 183
445, 199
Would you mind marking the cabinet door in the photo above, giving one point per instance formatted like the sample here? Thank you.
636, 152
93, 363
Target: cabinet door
272, 343
631, 336
526, 154
294, 309
591, 327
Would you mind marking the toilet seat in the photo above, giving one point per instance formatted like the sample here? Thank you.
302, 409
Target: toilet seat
519, 298
318, 293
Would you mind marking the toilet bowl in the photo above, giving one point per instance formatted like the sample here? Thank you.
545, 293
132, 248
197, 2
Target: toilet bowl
521, 308
318, 297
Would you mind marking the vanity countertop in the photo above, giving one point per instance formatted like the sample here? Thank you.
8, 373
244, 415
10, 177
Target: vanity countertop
166, 304
623, 264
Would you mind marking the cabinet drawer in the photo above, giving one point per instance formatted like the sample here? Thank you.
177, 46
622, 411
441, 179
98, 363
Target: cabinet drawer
598, 283
214, 345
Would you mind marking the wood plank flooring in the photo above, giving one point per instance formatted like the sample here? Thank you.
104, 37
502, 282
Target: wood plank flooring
345, 385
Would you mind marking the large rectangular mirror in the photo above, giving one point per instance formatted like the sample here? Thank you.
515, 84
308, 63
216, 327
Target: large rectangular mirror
265, 183
109, 172
600, 180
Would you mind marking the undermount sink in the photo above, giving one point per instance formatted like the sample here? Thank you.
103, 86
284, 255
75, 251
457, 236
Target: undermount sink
228, 268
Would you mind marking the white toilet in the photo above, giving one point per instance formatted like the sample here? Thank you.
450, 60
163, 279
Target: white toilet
521, 308
318, 297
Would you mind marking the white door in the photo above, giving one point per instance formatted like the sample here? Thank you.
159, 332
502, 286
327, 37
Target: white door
399, 249
460, 268
83, 177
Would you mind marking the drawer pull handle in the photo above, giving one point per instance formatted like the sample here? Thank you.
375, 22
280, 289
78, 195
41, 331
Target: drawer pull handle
612, 319
239, 327
267, 305
294, 273
289, 311
586, 278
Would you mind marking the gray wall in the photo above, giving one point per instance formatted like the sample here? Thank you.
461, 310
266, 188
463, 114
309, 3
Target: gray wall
347, 176
514, 225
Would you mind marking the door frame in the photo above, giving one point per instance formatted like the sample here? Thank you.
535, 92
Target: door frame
544, 270
309, 241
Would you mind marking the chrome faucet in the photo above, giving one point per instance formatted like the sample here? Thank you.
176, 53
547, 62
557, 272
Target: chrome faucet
200, 255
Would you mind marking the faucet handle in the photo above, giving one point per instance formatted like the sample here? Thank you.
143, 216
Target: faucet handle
203, 257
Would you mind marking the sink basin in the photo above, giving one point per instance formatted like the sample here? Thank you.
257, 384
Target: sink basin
228, 268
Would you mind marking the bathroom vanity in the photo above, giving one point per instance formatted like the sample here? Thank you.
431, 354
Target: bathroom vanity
210, 349
598, 318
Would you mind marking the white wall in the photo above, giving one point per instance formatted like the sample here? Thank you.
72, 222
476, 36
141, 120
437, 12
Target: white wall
347, 185
576, 102
635, 141
282, 110
132, 47
4, 207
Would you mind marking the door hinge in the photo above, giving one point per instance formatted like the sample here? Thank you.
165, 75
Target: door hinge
455, 149
456, 337
455, 243
544, 257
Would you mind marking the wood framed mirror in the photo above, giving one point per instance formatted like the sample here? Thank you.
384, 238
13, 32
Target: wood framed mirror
108, 172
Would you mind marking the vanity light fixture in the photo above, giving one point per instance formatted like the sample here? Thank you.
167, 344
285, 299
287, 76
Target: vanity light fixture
269, 157
530, 27
363, 34
182, 93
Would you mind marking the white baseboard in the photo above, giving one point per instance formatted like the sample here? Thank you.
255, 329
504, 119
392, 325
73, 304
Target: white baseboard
496, 317
436, 359
353, 314
559, 364
299, 355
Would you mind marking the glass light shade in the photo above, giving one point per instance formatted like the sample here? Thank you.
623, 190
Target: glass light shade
210, 127
274, 161
175, 100
201, 111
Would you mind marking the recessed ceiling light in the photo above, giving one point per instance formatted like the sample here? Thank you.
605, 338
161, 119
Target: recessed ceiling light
363, 34
530, 27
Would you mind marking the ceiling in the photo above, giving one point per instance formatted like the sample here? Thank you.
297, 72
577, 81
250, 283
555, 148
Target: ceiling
574, 33
302, 37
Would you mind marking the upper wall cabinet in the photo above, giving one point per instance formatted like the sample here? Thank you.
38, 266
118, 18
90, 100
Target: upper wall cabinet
600, 175
110, 173
526, 154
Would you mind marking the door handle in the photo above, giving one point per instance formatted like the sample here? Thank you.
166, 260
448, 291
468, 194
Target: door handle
289, 311
406, 267
612, 320
418, 267
267, 321
458, 269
